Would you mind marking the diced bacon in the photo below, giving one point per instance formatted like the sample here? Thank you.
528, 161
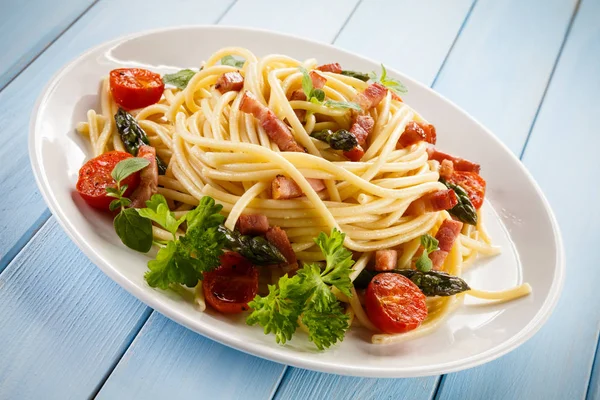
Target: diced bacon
386, 260
253, 224
277, 237
336, 68
446, 169
148, 178
277, 130
299, 95
396, 97
416, 132
460, 164
230, 81
283, 188
435, 201
318, 80
361, 129
446, 236
371, 97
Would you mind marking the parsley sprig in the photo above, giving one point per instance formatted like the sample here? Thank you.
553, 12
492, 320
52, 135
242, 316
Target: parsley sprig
317, 96
391, 83
430, 244
307, 297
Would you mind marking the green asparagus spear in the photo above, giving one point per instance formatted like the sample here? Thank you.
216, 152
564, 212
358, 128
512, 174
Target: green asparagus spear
358, 75
464, 210
432, 283
338, 140
255, 248
133, 136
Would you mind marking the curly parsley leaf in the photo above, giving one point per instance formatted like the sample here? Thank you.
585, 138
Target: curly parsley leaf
308, 296
429, 244
173, 264
179, 79
232, 61
157, 210
390, 83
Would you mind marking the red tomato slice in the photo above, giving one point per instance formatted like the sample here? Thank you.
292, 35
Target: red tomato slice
230, 287
394, 303
135, 87
473, 184
94, 178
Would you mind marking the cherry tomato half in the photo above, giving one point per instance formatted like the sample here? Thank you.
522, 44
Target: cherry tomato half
230, 287
135, 87
473, 184
394, 303
94, 178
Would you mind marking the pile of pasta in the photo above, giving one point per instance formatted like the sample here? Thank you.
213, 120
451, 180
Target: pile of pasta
214, 149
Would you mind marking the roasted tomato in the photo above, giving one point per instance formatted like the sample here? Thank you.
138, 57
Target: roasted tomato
473, 184
95, 177
230, 287
394, 303
135, 87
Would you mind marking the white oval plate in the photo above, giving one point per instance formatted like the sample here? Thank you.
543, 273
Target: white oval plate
521, 220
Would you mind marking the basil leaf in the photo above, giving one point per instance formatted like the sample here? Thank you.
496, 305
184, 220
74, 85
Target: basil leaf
342, 104
127, 167
318, 94
179, 79
134, 230
390, 83
232, 62
429, 243
307, 86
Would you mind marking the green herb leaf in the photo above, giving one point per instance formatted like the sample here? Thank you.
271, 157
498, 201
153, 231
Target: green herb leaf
307, 86
232, 61
118, 203
157, 210
390, 83
135, 231
429, 243
424, 263
318, 94
342, 104
338, 261
179, 79
173, 264
358, 75
127, 167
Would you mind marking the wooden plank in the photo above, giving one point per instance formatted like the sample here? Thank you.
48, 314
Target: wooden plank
23, 210
500, 65
470, 37
556, 363
64, 323
313, 19
408, 35
167, 360
29, 27
593, 392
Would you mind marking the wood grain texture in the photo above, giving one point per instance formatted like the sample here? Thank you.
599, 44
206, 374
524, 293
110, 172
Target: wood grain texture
501, 63
167, 360
556, 363
412, 36
64, 323
313, 19
28, 27
593, 392
20, 213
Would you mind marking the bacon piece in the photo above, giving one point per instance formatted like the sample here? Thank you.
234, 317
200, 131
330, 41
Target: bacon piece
318, 80
253, 224
148, 178
386, 260
361, 129
230, 81
283, 188
416, 132
277, 237
460, 164
446, 236
336, 68
277, 130
435, 201
371, 97
299, 95
446, 169
396, 97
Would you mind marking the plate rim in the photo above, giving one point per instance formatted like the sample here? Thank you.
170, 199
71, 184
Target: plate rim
272, 353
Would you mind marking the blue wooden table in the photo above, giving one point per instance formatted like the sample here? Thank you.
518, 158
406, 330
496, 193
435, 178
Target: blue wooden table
527, 69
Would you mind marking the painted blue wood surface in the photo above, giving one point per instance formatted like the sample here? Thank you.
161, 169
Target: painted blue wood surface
556, 363
30, 26
167, 360
59, 338
19, 218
